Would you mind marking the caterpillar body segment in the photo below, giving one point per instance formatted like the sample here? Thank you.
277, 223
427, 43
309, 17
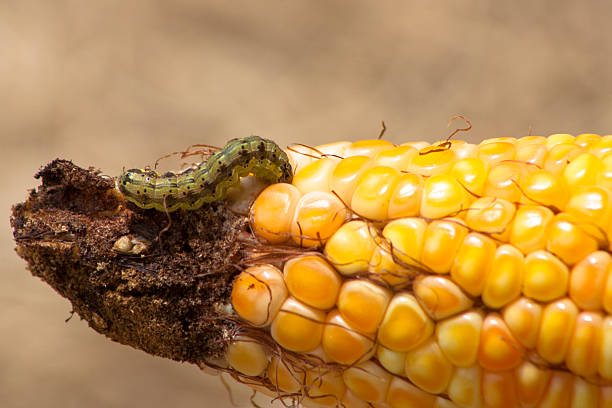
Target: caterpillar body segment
210, 180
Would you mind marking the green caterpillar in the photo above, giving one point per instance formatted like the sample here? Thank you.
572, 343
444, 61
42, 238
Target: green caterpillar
210, 180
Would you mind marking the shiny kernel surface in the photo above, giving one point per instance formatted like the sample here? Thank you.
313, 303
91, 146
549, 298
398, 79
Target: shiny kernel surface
546, 276
342, 343
258, 294
272, 212
405, 201
405, 325
443, 196
373, 192
346, 174
351, 247
428, 368
318, 215
556, 330
314, 176
312, 280
298, 327
363, 304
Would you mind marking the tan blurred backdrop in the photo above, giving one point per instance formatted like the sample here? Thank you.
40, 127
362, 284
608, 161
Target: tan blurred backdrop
113, 83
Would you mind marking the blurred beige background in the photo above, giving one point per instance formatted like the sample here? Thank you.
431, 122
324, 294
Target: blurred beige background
119, 83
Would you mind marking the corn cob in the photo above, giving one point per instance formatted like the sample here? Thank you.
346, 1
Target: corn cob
442, 275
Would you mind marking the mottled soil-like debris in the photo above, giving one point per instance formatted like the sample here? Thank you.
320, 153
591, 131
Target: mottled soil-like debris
166, 298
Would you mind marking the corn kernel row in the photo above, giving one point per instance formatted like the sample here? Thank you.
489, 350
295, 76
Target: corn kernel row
440, 275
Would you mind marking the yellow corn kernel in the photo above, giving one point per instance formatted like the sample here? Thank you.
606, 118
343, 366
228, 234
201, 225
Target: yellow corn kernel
582, 171
605, 362
493, 152
532, 153
464, 387
428, 368
588, 280
491, 215
440, 297
368, 381
585, 394
546, 277
501, 139
605, 396
571, 239
398, 157
405, 324
406, 237
459, 338
247, 356
556, 329
298, 327
544, 188
464, 150
541, 140
345, 176
559, 156
284, 376
442, 402
528, 231
559, 138
587, 139
332, 149
272, 212
368, 148
351, 400
559, 391
604, 179
383, 267
499, 350
431, 161
471, 173
402, 394
258, 293
443, 196
344, 344
607, 292
392, 361
419, 145
405, 200
585, 346
315, 176
317, 217
472, 263
531, 383
363, 304
523, 318
601, 147
441, 242
300, 156
323, 387
504, 280
593, 205
351, 247
499, 389
312, 280
504, 179
373, 192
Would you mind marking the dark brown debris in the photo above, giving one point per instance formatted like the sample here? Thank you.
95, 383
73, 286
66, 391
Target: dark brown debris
167, 300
